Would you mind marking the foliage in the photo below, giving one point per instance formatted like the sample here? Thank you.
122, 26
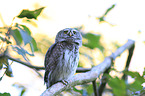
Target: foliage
93, 41
120, 86
30, 14
5, 94
23, 89
101, 18
14, 38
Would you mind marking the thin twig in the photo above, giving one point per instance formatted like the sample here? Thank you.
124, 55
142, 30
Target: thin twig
96, 92
103, 82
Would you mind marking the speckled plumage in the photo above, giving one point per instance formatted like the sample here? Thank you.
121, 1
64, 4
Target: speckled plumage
61, 59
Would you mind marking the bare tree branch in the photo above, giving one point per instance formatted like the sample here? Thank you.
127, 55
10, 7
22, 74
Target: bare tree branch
24, 63
88, 76
79, 69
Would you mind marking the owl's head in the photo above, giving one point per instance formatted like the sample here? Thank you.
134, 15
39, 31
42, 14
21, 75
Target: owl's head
69, 35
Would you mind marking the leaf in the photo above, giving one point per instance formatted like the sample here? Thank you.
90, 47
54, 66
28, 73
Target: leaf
17, 36
25, 28
1, 79
132, 74
89, 89
1, 38
33, 45
136, 86
118, 86
21, 51
102, 17
109, 9
5, 94
9, 71
135, 75
93, 41
26, 36
20, 86
30, 14
23, 91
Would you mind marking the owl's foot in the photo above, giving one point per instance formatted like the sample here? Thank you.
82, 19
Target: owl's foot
64, 82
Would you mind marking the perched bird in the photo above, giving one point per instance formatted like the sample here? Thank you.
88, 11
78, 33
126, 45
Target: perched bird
61, 59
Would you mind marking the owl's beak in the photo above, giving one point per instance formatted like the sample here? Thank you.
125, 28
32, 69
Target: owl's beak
70, 34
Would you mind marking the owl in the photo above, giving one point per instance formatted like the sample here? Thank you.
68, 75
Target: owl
61, 59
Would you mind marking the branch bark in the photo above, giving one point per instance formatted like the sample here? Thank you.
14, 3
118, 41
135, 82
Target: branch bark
88, 76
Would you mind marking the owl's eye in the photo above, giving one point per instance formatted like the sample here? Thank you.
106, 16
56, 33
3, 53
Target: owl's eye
65, 32
74, 32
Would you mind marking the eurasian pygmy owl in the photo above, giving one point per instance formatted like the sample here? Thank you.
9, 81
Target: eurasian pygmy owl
61, 59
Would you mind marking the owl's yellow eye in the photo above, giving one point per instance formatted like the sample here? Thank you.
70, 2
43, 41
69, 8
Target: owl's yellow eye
65, 32
74, 32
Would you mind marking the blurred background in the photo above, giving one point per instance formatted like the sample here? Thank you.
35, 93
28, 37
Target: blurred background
110, 23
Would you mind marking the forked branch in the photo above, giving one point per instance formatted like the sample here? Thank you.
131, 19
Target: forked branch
89, 76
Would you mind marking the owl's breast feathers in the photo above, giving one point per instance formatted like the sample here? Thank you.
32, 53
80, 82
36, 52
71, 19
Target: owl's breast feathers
60, 57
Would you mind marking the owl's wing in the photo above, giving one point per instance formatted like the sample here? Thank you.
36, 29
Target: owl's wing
49, 63
51, 60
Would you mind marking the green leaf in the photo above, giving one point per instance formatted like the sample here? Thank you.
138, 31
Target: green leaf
25, 28
93, 41
101, 19
1, 79
5, 94
17, 36
1, 38
26, 36
30, 14
109, 9
9, 71
20, 86
90, 89
23, 91
135, 86
118, 86
132, 74
33, 45
135, 75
